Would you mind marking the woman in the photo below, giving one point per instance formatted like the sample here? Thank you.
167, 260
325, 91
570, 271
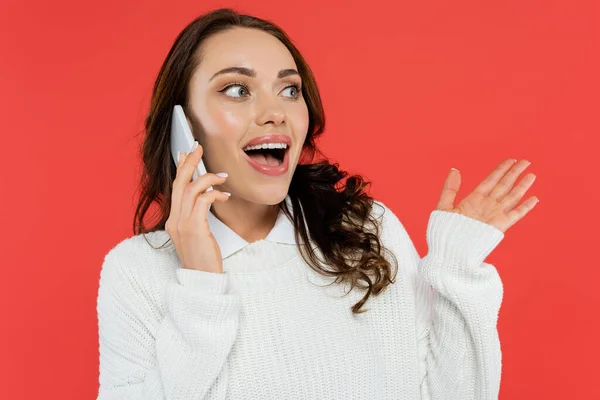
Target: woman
258, 289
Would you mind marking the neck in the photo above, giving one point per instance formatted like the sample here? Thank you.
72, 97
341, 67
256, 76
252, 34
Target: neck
251, 221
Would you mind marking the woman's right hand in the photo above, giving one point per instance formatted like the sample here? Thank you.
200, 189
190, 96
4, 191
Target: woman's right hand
187, 224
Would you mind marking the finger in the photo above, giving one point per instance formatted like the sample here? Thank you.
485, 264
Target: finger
449, 191
515, 195
181, 160
176, 193
486, 186
186, 171
508, 180
195, 189
202, 205
519, 212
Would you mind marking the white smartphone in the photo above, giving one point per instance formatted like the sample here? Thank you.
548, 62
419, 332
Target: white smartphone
182, 140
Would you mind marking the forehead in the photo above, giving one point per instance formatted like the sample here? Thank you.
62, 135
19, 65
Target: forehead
244, 47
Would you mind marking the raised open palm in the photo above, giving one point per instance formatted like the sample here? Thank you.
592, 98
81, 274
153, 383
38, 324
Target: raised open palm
495, 200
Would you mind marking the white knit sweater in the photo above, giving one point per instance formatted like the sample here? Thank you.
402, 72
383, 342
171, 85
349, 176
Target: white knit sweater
269, 328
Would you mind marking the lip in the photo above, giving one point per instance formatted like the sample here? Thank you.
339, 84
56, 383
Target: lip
269, 139
271, 171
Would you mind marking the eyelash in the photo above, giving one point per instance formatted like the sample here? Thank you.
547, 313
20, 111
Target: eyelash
294, 85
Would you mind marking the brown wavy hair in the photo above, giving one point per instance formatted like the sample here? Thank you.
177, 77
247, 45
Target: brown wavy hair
337, 215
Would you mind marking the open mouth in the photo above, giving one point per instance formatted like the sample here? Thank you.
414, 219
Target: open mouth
271, 157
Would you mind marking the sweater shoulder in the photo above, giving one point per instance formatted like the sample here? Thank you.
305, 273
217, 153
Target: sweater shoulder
394, 236
140, 247
139, 261
388, 221
132, 280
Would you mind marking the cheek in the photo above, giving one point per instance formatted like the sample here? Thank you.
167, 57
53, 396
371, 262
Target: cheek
298, 117
225, 122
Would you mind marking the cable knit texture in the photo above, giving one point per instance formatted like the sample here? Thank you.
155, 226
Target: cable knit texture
269, 327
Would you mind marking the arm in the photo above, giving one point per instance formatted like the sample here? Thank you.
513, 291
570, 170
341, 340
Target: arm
183, 355
458, 301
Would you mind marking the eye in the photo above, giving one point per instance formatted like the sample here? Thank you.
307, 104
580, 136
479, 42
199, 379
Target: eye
231, 90
294, 90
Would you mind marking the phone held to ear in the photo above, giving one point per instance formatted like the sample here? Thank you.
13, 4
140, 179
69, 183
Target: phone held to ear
182, 141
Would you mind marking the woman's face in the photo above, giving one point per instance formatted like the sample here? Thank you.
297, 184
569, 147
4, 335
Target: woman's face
230, 109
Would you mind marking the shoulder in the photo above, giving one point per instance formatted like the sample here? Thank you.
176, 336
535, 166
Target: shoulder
132, 283
388, 221
394, 235
140, 248
139, 261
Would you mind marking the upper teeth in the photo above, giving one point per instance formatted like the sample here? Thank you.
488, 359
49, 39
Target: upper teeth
267, 146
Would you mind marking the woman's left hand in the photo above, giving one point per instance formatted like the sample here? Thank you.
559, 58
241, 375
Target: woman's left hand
494, 200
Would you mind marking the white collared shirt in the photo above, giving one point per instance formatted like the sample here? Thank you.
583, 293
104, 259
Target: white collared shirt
230, 242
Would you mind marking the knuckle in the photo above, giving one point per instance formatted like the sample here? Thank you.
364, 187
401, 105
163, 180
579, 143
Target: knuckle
211, 197
177, 180
182, 229
504, 184
188, 190
203, 199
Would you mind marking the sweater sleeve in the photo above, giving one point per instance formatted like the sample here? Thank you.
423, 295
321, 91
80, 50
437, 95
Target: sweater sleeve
178, 356
458, 299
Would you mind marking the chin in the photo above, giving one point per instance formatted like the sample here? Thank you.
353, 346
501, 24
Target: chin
268, 194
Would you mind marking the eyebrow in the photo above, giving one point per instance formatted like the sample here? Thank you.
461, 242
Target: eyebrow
252, 73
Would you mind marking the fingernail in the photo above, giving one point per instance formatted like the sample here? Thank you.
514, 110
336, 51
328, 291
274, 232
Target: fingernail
455, 169
222, 174
227, 193
195, 146
178, 156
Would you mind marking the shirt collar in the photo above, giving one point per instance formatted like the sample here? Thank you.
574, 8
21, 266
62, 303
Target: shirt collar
229, 242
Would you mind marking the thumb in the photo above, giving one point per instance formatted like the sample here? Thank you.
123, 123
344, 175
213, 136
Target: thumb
450, 190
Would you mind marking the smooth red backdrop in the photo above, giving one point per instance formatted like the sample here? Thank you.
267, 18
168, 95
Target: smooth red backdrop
410, 89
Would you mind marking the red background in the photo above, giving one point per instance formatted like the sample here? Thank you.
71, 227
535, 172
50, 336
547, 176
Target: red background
410, 89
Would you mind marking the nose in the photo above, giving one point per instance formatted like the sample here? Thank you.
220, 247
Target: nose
270, 110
